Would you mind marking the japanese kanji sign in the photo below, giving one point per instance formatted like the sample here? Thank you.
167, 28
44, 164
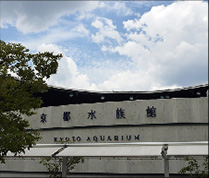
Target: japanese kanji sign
151, 112
120, 113
43, 118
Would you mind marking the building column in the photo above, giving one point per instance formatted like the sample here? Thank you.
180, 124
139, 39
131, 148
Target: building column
166, 160
64, 166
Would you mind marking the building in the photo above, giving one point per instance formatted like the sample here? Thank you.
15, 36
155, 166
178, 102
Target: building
76, 116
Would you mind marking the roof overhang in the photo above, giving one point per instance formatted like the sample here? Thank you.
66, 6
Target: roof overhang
135, 149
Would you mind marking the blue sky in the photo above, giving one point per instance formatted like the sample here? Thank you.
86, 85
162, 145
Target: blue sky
115, 45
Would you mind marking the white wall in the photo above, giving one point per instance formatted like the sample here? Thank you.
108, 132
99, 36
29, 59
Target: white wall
176, 120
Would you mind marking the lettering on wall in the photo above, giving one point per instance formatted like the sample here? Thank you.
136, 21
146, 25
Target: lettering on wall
151, 112
100, 138
120, 114
91, 114
66, 116
43, 118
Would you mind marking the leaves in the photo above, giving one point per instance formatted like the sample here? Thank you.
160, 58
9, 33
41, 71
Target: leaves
193, 168
54, 165
22, 76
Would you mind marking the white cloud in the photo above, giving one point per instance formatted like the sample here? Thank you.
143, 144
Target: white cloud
134, 50
162, 56
131, 24
85, 15
67, 74
120, 8
56, 35
166, 47
128, 80
33, 16
97, 24
81, 30
169, 42
106, 31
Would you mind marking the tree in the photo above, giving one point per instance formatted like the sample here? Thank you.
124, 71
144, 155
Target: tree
54, 165
194, 169
22, 76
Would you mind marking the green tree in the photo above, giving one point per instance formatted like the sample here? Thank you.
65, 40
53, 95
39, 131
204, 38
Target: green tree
193, 168
54, 165
22, 76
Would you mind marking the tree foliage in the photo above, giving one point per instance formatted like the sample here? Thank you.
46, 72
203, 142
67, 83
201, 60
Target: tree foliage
22, 76
193, 168
54, 165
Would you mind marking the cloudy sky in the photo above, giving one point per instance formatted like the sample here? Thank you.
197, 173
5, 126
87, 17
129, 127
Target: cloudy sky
115, 45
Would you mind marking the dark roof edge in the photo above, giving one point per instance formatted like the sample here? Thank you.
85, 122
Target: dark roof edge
129, 92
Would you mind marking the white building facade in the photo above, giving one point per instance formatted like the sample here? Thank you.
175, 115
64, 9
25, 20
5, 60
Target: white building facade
163, 119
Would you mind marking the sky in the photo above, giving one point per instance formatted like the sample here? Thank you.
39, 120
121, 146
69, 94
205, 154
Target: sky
114, 45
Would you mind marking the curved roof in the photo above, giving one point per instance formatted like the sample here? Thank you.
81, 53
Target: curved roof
61, 96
